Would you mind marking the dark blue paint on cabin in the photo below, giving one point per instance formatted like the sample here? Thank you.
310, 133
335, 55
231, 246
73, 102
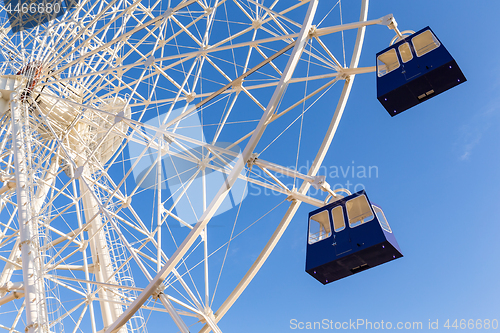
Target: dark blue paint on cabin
353, 249
418, 79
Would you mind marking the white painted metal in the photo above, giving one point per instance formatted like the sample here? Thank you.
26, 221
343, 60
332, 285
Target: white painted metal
12, 296
34, 289
219, 197
100, 254
287, 218
101, 262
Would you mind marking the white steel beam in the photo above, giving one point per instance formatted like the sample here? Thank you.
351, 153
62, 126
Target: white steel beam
305, 186
317, 32
36, 315
41, 194
100, 254
9, 267
113, 302
229, 85
10, 297
233, 176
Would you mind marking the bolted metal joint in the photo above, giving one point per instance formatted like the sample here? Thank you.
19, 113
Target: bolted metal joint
252, 159
159, 291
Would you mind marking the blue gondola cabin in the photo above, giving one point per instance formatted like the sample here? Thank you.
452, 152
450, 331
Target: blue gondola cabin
348, 236
413, 70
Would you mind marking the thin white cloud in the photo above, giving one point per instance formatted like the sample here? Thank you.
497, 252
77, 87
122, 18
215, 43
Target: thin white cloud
479, 123
469, 146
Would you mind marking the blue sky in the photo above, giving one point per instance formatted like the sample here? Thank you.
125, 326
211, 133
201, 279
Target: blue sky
438, 184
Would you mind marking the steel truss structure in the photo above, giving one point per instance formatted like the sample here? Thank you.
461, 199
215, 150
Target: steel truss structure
116, 119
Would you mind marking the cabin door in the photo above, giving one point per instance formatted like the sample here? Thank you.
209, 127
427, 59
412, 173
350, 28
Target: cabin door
410, 66
341, 236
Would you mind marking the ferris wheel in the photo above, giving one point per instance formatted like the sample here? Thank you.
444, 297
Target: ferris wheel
142, 140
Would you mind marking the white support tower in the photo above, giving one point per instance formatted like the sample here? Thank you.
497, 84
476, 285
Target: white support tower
28, 216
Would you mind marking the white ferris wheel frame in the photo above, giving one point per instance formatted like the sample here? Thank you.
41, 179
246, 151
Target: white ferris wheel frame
32, 288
